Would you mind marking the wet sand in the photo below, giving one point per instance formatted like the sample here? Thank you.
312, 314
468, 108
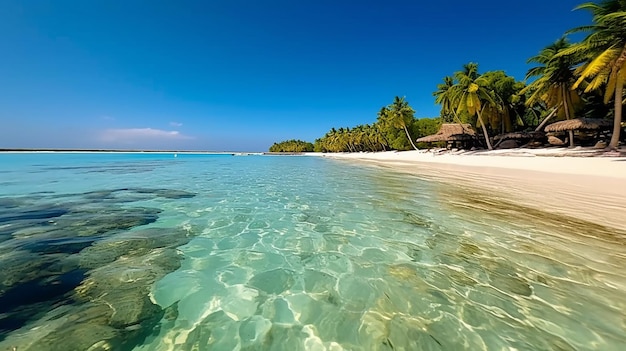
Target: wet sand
560, 181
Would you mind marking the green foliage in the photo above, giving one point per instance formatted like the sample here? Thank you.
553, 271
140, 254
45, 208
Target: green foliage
603, 56
360, 138
443, 97
554, 86
425, 126
399, 115
468, 95
506, 114
491, 100
292, 146
595, 107
389, 132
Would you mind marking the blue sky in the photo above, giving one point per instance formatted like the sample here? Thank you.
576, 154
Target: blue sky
231, 75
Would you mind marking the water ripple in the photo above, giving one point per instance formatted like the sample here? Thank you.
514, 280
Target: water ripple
275, 253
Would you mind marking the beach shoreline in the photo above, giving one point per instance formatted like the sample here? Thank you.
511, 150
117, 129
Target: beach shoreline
562, 181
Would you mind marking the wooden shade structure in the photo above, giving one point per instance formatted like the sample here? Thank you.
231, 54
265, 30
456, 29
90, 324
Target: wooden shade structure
579, 124
450, 132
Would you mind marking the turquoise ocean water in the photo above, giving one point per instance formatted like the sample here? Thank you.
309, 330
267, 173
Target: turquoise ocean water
219, 252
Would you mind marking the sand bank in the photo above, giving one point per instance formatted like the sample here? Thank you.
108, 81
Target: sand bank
564, 181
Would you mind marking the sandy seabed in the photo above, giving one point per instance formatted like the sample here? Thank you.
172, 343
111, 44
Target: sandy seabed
580, 182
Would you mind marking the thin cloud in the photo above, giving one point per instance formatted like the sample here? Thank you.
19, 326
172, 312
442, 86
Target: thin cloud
176, 124
141, 134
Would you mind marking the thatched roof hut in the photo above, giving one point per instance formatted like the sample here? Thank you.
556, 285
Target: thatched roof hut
578, 124
450, 132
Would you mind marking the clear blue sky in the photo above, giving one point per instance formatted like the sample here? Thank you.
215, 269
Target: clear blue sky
239, 75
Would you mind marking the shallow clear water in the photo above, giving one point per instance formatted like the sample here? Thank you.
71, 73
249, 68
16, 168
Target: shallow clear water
205, 252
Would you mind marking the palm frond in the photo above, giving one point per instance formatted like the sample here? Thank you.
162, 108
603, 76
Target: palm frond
610, 87
575, 49
598, 81
592, 6
588, 28
615, 16
535, 72
597, 65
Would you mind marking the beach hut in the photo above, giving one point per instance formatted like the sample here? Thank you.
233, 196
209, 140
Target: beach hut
579, 124
588, 129
454, 134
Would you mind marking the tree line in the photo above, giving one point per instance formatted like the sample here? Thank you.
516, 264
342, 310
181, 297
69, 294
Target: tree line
569, 80
292, 146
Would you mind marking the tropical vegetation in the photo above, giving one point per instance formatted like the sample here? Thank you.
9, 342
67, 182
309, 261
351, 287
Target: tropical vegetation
554, 87
292, 146
399, 114
603, 52
491, 101
568, 80
382, 135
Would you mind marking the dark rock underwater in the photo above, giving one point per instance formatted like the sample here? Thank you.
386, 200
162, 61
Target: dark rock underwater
80, 266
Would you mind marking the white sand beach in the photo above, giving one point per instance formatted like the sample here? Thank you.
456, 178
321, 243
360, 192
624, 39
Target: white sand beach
559, 180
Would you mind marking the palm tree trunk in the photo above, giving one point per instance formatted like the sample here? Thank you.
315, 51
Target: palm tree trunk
384, 142
567, 115
571, 138
617, 121
458, 120
545, 120
408, 136
619, 96
482, 124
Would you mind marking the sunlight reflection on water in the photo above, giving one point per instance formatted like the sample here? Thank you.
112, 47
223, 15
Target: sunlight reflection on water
379, 261
305, 253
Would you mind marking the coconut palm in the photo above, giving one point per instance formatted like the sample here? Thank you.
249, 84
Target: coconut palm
509, 102
443, 98
555, 82
605, 52
471, 94
398, 115
379, 129
379, 137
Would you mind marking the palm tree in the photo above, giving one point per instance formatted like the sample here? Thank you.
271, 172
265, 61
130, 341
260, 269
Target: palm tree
398, 115
509, 102
380, 135
555, 83
605, 52
471, 95
443, 97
